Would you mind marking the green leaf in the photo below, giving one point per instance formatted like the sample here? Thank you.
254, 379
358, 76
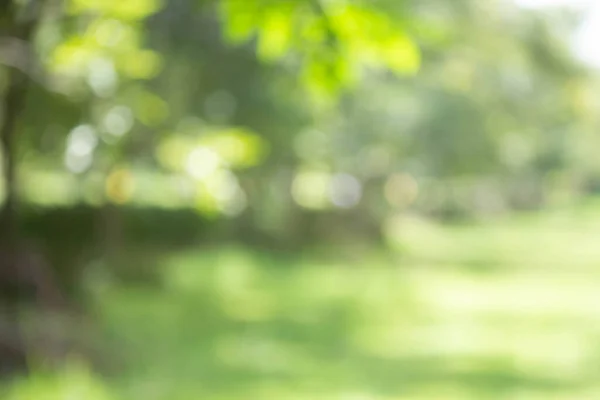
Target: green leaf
141, 64
238, 147
401, 55
242, 19
335, 44
275, 34
127, 10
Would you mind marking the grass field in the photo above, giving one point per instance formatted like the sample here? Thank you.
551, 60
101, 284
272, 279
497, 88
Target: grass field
504, 310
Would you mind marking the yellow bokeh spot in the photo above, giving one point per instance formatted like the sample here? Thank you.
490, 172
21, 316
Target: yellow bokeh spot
149, 108
310, 189
113, 33
401, 190
459, 76
237, 147
172, 152
142, 64
73, 55
120, 185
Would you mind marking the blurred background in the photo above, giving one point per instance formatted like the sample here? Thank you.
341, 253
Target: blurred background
299, 199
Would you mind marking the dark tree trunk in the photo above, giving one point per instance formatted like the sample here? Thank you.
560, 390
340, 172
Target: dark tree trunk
18, 23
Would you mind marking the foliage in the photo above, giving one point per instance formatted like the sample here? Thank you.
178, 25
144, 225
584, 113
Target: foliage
133, 90
199, 105
334, 40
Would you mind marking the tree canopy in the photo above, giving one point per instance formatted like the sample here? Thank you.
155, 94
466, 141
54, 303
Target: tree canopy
210, 100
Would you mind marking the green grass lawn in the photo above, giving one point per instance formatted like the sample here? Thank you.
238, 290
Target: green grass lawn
505, 310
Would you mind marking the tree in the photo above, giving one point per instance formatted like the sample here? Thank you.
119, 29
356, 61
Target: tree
91, 56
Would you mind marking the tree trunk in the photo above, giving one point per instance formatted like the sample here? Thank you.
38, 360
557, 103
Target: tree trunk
19, 22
